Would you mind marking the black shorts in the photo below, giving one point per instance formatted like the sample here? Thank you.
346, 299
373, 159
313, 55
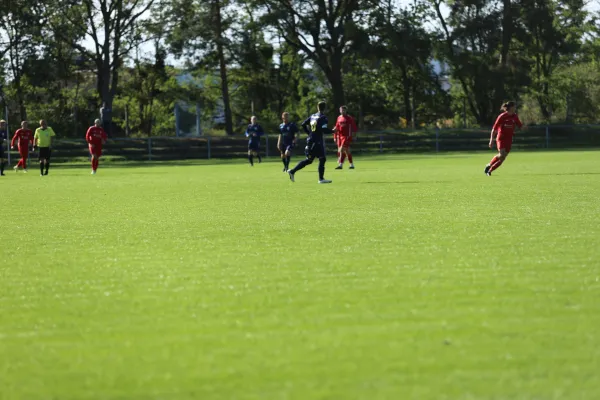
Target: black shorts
285, 147
314, 150
44, 153
253, 146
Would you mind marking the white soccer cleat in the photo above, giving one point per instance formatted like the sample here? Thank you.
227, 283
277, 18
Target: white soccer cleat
291, 175
25, 170
93, 172
324, 181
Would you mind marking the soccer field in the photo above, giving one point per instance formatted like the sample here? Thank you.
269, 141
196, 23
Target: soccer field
411, 277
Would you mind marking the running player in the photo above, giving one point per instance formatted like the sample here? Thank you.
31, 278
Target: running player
24, 137
315, 126
254, 132
95, 137
344, 132
3, 138
43, 140
505, 126
286, 140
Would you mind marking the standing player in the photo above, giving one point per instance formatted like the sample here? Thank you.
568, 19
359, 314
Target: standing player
315, 126
286, 140
3, 137
344, 132
43, 140
254, 132
25, 138
505, 126
95, 138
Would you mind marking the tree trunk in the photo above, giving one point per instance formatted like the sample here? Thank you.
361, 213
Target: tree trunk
223, 67
335, 79
406, 95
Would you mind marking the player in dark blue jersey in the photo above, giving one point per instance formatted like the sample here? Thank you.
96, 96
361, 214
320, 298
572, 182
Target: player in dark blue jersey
287, 140
315, 126
3, 138
253, 133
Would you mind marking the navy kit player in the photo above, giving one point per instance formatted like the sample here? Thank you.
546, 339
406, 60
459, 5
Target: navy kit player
315, 126
287, 140
3, 138
253, 133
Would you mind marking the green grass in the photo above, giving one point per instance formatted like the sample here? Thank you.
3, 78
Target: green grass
413, 277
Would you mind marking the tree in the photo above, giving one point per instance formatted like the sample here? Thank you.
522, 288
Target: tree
324, 30
112, 26
200, 29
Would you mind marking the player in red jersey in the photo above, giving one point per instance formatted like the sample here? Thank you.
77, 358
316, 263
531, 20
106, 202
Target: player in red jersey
95, 137
24, 138
505, 126
344, 132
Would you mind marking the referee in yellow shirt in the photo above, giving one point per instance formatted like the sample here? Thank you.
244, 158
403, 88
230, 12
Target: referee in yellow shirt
43, 140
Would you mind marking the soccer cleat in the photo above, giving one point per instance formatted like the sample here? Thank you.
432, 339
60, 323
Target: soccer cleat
291, 175
93, 172
339, 167
489, 173
324, 181
351, 166
487, 169
25, 170
16, 168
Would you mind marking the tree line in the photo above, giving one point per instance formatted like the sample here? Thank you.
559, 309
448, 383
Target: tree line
396, 64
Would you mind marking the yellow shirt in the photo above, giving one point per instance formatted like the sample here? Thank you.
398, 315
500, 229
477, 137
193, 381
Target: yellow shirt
42, 137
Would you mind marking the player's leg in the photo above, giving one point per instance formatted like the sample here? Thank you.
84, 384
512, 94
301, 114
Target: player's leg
322, 159
41, 160
349, 154
47, 160
92, 158
2, 163
288, 157
310, 157
502, 154
24, 152
250, 157
283, 158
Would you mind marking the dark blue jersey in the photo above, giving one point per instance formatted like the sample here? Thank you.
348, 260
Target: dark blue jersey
288, 133
3, 136
253, 133
316, 126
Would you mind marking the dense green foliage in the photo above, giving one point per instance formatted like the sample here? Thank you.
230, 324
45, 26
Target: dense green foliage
408, 278
395, 63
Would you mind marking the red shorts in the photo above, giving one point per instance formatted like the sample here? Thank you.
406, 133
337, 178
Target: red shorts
504, 144
96, 150
344, 141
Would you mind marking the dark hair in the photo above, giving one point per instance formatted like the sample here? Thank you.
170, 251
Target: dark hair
509, 104
321, 106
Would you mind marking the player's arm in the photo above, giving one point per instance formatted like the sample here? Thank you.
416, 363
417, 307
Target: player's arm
14, 139
305, 125
494, 129
279, 141
88, 136
35, 138
518, 121
261, 131
52, 135
354, 128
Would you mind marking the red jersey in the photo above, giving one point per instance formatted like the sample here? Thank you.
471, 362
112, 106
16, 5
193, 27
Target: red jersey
345, 126
24, 136
505, 125
95, 136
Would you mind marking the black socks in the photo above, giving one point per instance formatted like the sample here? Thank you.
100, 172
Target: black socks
321, 168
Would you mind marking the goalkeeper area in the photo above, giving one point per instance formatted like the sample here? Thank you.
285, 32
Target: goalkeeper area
411, 277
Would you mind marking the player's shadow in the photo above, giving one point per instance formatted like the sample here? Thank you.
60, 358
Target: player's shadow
400, 182
566, 174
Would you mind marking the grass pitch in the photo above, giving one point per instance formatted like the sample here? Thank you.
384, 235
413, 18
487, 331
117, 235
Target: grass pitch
410, 277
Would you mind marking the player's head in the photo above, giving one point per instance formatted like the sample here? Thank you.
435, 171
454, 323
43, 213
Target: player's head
2, 124
321, 106
344, 110
285, 117
253, 120
509, 107
97, 123
24, 124
43, 123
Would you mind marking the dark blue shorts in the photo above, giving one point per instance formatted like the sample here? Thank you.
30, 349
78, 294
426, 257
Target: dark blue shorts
285, 147
314, 150
253, 146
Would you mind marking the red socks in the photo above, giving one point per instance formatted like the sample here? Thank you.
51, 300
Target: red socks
350, 158
94, 164
496, 165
